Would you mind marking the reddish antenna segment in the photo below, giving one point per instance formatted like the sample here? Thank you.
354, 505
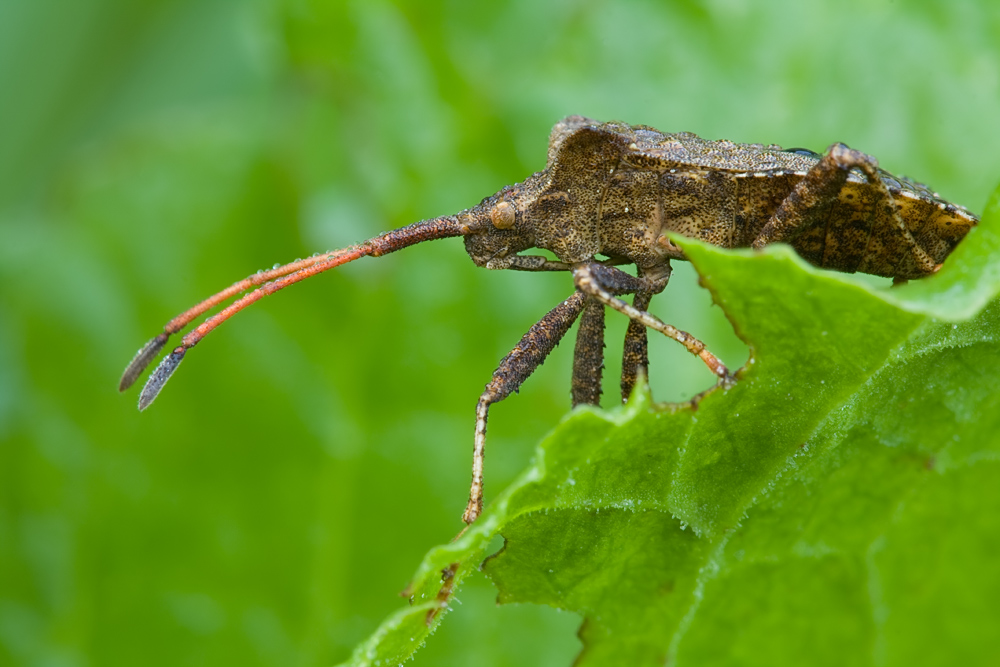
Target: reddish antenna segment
268, 282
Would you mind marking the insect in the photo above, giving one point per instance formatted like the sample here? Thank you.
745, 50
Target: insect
616, 190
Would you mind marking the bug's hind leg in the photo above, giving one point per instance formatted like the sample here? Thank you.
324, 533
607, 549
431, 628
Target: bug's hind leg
635, 355
602, 282
514, 369
819, 190
635, 352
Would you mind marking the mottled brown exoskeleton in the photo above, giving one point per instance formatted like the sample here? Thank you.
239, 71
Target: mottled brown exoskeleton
616, 190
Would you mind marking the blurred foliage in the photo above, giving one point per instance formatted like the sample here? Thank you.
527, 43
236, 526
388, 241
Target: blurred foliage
271, 505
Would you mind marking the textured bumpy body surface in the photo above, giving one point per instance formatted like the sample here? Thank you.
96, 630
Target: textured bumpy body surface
617, 189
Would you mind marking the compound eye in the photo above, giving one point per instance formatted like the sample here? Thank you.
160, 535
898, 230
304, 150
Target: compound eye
502, 215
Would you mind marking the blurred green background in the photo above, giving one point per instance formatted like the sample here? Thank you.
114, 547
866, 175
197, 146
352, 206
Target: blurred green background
273, 502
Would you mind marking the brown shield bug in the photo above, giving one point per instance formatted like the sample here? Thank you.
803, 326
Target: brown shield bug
616, 190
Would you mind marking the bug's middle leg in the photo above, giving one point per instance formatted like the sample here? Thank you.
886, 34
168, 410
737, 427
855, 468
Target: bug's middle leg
588, 358
514, 369
603, 282
588, 355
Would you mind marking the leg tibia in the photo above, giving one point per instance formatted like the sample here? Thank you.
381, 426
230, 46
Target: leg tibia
588, 356
514, 369
635, 355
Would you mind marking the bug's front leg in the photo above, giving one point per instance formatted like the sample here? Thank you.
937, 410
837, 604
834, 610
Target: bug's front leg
602, 282
515, 368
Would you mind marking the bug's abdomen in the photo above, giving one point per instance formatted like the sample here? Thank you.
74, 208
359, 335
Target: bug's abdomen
937, 227
757, 198
857, 232
862, 234
848, 228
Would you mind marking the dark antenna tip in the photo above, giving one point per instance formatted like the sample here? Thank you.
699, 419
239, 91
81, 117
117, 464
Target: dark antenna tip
160, 376
141, 359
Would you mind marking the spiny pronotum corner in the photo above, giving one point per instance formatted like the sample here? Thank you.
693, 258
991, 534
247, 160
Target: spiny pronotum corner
616, 190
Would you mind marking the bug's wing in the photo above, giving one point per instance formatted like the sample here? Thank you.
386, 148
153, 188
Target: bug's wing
651, 149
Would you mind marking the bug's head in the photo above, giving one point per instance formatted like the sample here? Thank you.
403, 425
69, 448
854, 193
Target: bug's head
500, 228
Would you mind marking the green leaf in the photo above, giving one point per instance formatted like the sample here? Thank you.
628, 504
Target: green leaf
837, 506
